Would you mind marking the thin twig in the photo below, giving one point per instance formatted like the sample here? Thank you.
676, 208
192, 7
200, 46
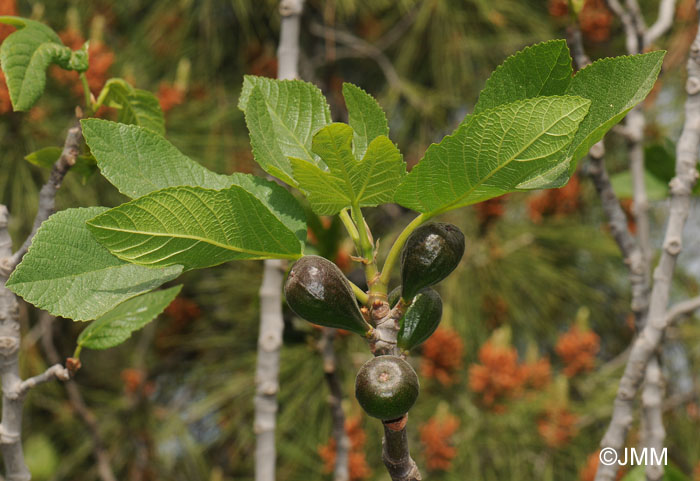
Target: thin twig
663, 22
681, 309
57, 371
633, 38
104, 468
47, 194
359, 48
397, 31
395, 453
646, 344
335, 399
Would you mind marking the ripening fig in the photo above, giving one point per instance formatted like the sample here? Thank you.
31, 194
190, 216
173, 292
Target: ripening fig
317, 290
421, 318
431, 252
386, 387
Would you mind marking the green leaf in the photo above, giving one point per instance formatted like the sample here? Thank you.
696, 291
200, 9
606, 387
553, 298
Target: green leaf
27, 53
614, 86
492, 153
116, 326
365, 116
45, 157
660, 160
69, 274
540, 70
282, 116
196, 228
85, 165
137, 107
138, 161
368, 182
623, 187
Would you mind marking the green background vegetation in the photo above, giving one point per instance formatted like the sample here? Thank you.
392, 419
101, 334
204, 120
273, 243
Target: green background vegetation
530, 265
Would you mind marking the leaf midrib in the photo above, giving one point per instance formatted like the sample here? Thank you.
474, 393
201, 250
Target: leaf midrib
272, 112
196, 238
26, 67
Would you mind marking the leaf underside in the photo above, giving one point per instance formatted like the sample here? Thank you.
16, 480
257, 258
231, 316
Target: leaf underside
117, 325
26, 54
69, 274
282, 116
492, 153
194, 227
138, 161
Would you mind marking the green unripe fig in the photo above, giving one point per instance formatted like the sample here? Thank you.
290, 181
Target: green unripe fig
421, 318
317, 290
431, 252
386, 387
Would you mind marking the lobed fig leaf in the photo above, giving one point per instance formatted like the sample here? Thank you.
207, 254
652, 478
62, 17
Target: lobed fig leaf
431, 253
386, 387
317, 290
421, 318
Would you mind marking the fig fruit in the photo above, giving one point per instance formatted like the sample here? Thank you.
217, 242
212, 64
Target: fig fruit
421, 318
386, 387
317, 290
431, 252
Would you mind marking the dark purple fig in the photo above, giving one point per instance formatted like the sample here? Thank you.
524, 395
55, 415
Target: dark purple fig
317, 290
386, 387
431, 253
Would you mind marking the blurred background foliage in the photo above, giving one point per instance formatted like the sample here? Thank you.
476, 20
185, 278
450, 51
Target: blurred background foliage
519, 380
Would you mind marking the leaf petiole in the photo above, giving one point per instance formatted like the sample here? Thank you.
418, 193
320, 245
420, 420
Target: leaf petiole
89, 105
395, 250
367, 249
351, 228
359, 293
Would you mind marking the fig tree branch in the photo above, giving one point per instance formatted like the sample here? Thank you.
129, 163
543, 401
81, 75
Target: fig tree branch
104, 468
652, 421
271, 321
649, 339
395, 452
359, 48
637, 262
47, 194
13, 387
663, 22
681, 309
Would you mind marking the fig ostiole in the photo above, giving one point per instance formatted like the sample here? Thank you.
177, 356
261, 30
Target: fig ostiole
430, 254
317, 290
386, 387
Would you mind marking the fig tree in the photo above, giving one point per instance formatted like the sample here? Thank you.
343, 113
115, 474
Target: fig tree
386, 387
431, 252
317, 290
